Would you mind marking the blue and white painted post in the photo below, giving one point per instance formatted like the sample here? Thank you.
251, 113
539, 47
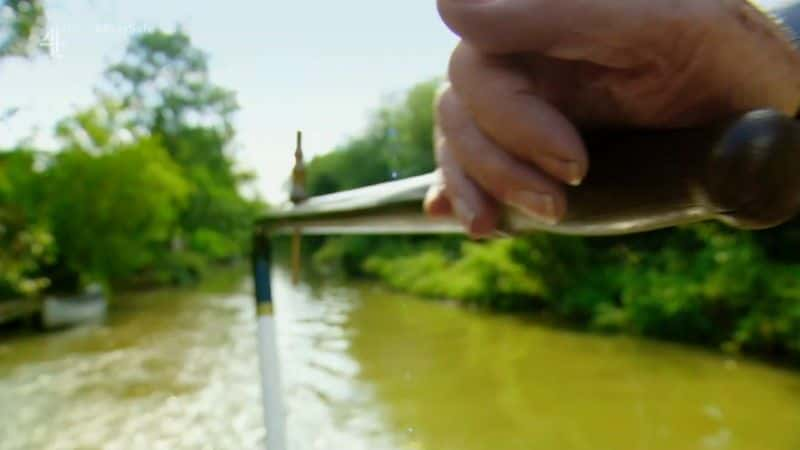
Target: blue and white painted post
274, 412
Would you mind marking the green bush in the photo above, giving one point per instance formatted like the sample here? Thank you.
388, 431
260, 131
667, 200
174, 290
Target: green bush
26, 243
143, 188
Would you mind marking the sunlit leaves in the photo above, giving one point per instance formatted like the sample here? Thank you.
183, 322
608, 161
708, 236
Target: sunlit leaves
99, 128
21, 27
397, 144
163, 86
25, 241
166, 81
113, 214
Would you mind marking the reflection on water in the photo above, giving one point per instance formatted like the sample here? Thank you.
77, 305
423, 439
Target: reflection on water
466, 381
329, 406
368, 370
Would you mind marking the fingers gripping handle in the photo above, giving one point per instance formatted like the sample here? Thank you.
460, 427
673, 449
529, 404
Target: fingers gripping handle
745, 172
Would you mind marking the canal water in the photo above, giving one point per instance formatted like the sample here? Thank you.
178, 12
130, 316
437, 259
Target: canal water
365, 369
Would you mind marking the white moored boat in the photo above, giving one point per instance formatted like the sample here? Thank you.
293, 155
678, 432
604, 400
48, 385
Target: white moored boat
65, 311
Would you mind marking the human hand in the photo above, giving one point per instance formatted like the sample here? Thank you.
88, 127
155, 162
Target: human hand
529, 73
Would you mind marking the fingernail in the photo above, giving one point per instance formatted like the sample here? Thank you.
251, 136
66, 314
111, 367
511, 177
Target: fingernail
575, 174
464, 213
539, 206
568, 171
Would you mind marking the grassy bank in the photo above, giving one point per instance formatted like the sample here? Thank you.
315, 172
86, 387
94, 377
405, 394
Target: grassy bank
702, 284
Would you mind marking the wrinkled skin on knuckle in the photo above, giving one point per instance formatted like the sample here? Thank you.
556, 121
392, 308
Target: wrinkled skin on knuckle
668, 85
773, 57
692, 65
725, 57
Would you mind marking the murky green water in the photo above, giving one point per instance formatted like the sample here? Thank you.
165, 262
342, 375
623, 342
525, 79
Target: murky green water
369, 370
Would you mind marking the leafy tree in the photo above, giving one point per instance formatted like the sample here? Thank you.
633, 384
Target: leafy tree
100, 128
22, 21
164, 80
397, 144
113, 214
410, 124
143, 187
163, 85
25, 242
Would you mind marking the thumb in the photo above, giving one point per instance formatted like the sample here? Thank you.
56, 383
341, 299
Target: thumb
569, 29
